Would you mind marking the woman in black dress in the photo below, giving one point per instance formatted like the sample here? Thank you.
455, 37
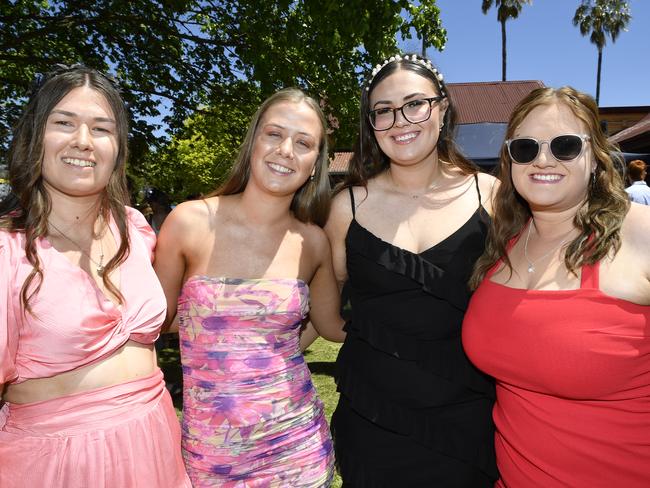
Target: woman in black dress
405, 233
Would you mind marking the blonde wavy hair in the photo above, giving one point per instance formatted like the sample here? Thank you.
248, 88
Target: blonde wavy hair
600, 216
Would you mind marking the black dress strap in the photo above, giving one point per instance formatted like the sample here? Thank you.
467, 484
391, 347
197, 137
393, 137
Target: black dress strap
350, 189
478, 190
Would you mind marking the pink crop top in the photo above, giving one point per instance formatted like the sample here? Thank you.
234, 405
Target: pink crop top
73, 323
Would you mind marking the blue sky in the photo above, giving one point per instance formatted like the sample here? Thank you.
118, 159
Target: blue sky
544, 45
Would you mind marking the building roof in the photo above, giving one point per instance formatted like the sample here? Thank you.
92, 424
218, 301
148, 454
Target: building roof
641, 127
339, 163
490, 101
487, 105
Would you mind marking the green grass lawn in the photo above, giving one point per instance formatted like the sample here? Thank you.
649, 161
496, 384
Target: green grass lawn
320, 358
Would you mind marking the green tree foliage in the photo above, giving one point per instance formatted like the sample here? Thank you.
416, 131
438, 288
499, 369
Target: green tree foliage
199, 156
177, 58
506, 9
599, 19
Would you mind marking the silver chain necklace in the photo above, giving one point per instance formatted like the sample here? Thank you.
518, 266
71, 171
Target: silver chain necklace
531, 264
99, 265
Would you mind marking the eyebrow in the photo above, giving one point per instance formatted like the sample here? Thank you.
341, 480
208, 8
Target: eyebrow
272, 124
72, 114
405, 99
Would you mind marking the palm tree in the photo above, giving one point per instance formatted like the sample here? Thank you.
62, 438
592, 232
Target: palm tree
601, 18
506, 9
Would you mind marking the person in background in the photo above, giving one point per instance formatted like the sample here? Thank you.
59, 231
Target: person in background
638, 191
85, 404
405, 230
562, 310
242, 269
158, 202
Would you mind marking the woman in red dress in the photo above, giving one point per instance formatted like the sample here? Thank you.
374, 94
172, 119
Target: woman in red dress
561, 317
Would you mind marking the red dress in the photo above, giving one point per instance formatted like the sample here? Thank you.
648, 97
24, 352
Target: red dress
573, 383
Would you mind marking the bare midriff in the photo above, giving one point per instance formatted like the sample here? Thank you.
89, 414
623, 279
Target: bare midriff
131, 361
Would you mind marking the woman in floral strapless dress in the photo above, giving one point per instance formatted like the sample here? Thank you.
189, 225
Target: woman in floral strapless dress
237, 269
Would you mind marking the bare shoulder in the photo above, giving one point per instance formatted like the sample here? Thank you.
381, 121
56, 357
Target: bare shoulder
488, 186
190, 219
315, 239
341, 206
340, 215
636, 227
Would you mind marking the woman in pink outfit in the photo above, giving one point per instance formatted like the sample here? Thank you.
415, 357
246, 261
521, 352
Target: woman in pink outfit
245, 267
84, 403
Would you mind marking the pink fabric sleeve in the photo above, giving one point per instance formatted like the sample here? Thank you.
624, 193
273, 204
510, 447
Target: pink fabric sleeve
144, 229
8, 331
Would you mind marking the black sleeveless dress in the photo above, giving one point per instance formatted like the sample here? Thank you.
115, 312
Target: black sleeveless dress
413, 411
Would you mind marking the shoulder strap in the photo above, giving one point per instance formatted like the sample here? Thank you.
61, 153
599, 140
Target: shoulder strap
478, 190
352, 200
589, 276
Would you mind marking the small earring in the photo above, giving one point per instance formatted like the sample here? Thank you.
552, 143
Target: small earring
593, 179
313, 172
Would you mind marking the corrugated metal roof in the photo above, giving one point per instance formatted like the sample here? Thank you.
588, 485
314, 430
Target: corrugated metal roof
476, 103
339, 163
489, 101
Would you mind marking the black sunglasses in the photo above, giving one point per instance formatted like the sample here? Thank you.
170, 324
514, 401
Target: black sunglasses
565, 147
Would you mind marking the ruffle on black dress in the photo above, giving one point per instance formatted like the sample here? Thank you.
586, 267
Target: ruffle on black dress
404, 379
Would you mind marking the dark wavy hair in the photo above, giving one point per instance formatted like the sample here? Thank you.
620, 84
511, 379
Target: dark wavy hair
368, 160
311, 203
600, 217
28, 206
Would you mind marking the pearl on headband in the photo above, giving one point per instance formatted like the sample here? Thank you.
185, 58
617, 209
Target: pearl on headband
414, 59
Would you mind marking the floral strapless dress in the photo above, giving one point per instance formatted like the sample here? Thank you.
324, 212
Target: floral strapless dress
251, 415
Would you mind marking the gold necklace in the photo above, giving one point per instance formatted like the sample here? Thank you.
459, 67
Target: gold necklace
99, 265
531, 264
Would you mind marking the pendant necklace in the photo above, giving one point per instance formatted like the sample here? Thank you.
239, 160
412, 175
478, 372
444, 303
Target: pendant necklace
531, 264
99, 265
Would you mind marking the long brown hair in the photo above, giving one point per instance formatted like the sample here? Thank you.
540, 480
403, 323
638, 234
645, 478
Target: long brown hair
600, 217
368, 160
311, 203
28, 206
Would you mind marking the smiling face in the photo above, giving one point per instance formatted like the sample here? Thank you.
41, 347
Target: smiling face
546, 183
286, 147
79, 144
407, 143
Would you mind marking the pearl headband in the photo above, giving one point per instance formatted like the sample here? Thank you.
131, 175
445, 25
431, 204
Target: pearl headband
413, 59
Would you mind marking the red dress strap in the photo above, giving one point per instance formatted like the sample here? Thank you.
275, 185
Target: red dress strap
589, 276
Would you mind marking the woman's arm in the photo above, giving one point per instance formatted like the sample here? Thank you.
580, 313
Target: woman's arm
307, 336
336, 230
171, 260
325, 296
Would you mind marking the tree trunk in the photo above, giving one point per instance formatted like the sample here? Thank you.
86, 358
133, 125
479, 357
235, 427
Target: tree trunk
424, 46
503, 50
600, 64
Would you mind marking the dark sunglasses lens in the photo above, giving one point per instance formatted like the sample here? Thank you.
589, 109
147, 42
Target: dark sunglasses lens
523, 151
566, 148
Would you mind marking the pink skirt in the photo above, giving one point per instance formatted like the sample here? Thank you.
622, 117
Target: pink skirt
124, 436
